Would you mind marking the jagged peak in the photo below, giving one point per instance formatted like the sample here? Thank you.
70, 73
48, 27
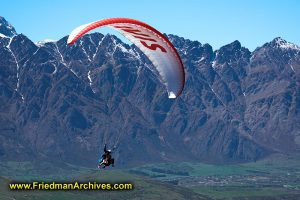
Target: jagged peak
235, 46
183, 43
283, 44
172, 37
232, 46
6, 28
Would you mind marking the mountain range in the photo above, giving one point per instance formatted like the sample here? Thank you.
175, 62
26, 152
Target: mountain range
60, 102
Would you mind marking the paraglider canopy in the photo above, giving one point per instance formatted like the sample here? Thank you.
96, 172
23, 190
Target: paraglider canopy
151, 42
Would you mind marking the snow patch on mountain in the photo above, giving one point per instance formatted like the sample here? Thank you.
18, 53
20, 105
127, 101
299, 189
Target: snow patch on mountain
281, 43
60, 55
98, 47
292, 68
43, 42
16, 61
90, 80
84, 51
214, 64
217, 96
2, 35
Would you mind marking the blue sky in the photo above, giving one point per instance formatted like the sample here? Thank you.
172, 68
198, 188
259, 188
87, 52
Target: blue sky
217, 22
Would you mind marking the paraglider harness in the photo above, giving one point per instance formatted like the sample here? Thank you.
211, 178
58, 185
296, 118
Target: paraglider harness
106, 159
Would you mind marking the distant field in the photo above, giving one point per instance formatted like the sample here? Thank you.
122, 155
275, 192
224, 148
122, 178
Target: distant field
279, 164
276, 177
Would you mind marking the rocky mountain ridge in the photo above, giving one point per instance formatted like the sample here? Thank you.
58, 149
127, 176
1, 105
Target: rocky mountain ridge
59, 101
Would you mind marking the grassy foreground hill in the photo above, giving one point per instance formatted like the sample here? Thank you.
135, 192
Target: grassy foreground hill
144, 188
276, 177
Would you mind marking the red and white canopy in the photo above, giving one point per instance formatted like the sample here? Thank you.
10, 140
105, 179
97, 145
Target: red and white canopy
151, 42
